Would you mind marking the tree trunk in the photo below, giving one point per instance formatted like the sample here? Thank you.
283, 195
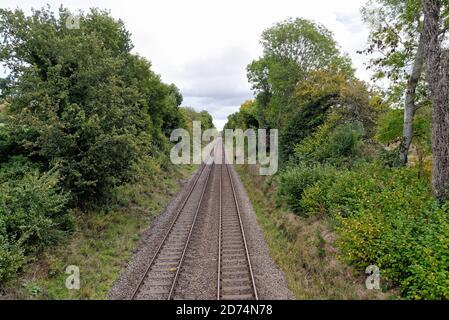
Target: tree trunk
410, 100
438, 79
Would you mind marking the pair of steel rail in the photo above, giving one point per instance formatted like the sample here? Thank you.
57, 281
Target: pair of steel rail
191, 230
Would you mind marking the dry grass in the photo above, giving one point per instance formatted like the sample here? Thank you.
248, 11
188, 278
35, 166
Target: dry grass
304, 248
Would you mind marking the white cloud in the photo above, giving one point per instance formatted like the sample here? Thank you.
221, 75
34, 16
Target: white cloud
204, 46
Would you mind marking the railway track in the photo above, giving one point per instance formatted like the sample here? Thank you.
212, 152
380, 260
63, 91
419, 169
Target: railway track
235, 278
161, 275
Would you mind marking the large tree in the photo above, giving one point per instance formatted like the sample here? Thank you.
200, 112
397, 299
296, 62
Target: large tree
396, 41
291, 50
79, 100
435, 27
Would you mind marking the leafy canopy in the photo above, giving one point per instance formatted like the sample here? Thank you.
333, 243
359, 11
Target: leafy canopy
79, 100
292, 49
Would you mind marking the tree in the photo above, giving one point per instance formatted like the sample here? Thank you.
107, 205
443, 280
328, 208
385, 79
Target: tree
291, 50
79, 101
435, 27
245, 118
189, 115
206, 120
323, 91
397, 41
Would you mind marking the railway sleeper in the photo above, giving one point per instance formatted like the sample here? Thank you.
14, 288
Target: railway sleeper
237, 297
233, 262
235, 268
236, 281
236, 289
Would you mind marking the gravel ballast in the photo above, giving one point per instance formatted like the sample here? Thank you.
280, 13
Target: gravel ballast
270, 280
198, 278
148, 244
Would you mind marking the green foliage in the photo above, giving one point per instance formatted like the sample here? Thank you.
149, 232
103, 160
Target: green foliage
327, 129
317, 189
104, 240
399, 228
384, 217
188, 115
395, 28
294, 182
302, 124
344, 141
325, 96
206, 120
391, 158
11, 137
332, 143
394, 31
33, 213
245, 119
391, 125
292, 50
80, 101
395, 34
12, 258
389, 132
79, 114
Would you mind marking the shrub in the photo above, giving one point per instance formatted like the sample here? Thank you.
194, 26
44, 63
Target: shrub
322, 189
384, 216
313, 200
428, 277
332, 143
83, 103
345, 141
11, 257
397, 226
33, 213
410, 249
296, 180
391, 158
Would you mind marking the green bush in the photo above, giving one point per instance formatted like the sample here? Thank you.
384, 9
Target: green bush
411, 249
346, 192
332, 143
384, 216
395, 224
294, 181
33, 213
83, 103
391, 158
323, 189
345, 141
12, 258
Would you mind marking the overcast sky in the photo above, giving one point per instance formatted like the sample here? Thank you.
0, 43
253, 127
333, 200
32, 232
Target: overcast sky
203, 46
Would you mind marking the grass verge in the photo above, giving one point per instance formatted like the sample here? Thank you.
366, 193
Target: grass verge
304, 248
102, 244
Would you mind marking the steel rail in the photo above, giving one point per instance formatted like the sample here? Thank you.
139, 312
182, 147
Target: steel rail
253, 283
158, 250
181, 261
219, 238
